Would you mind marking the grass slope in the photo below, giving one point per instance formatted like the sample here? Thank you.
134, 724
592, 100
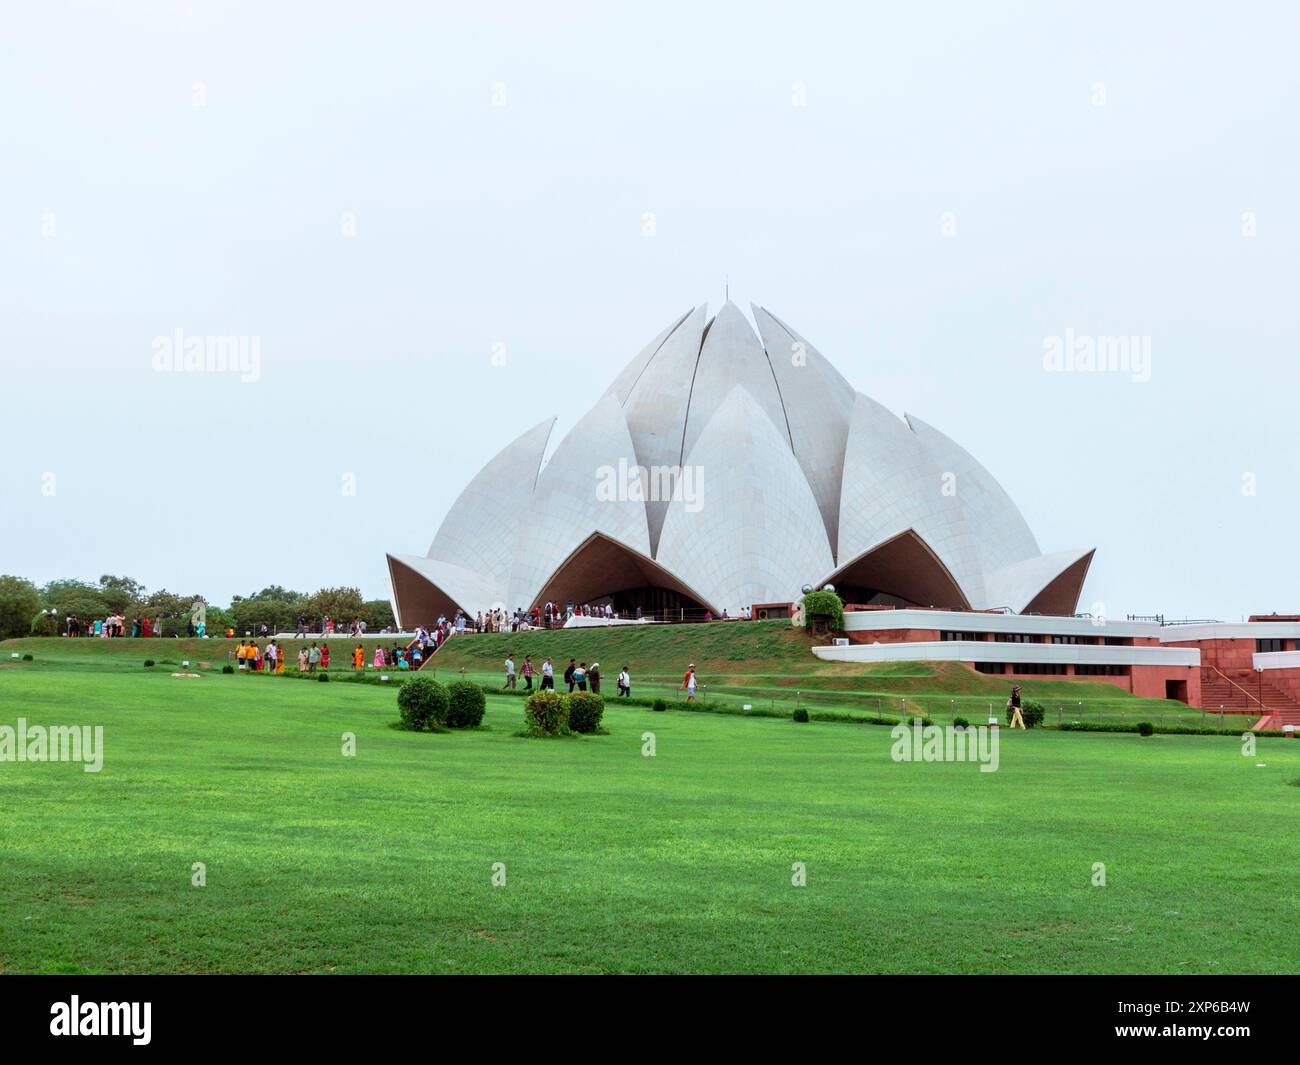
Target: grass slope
616, 862
761, 663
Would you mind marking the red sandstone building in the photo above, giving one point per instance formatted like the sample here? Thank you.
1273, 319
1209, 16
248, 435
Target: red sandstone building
1248, 667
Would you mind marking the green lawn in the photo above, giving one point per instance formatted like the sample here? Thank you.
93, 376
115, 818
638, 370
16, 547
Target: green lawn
616, 862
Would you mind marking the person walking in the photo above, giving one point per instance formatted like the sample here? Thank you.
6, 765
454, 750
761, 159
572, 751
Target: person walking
302, 626
625, 683
510, 672
271, 657
359, 658
579, 678
313, 658
1013, 705
527, 671
548, 676
568, 673
688, 683
593, 676
302, 660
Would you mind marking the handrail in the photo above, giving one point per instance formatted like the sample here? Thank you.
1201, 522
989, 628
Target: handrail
1247, 694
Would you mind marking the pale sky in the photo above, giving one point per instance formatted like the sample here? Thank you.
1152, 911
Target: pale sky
926, 192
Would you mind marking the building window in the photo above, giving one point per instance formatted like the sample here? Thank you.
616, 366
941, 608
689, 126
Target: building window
1065, 639
1269, 646
959, 636
1100, 671
1015, 637
990, 667
1043, 669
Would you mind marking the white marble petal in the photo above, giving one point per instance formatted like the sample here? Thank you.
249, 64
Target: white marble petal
732, 355
754, 533
991, 520
480, 530
818, 406
1017, 585
655, 408
567, 508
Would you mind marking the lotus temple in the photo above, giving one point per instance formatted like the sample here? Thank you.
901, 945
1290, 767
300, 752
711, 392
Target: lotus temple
728, 466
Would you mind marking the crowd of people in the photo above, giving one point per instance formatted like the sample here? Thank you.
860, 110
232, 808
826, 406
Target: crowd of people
114, 626
254, 658
579, 677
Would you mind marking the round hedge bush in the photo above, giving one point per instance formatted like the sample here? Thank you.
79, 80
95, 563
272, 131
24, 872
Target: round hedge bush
546, 713
227, 668
960, 722
323, 676
148, 663
659, 706
1145, 728
801, 714
585, 711
422, 702
466, 704
1030, 712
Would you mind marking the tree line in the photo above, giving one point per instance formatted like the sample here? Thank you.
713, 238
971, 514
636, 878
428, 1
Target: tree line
28, 610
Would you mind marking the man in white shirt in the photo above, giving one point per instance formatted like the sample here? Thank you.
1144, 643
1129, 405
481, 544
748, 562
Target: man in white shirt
548, 675
625, 683
510, 671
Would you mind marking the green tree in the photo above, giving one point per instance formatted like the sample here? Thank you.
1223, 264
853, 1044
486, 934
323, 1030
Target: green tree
377, 613
340, 604
278, 615
19, 602
74, 597
121, 594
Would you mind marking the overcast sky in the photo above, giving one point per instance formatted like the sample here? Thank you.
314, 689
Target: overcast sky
384, 196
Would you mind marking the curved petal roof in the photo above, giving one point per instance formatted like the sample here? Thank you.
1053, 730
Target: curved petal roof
567, 506
789, 473
818, 406
493, 500
752, 533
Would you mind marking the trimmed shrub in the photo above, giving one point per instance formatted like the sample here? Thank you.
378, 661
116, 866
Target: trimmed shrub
801, 714
466, 705
323, 676
1145, 728
585, 711
227, 668
1031, 713
659, 706
422, 703
546, 713
28, 658
960, 722
826, 607
148, 663
44, 625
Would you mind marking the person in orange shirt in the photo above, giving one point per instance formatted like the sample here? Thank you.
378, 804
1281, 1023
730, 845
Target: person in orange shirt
359, 658
241, 652
688, 683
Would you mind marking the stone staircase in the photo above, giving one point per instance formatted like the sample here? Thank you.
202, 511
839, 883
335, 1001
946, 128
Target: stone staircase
1243, 692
